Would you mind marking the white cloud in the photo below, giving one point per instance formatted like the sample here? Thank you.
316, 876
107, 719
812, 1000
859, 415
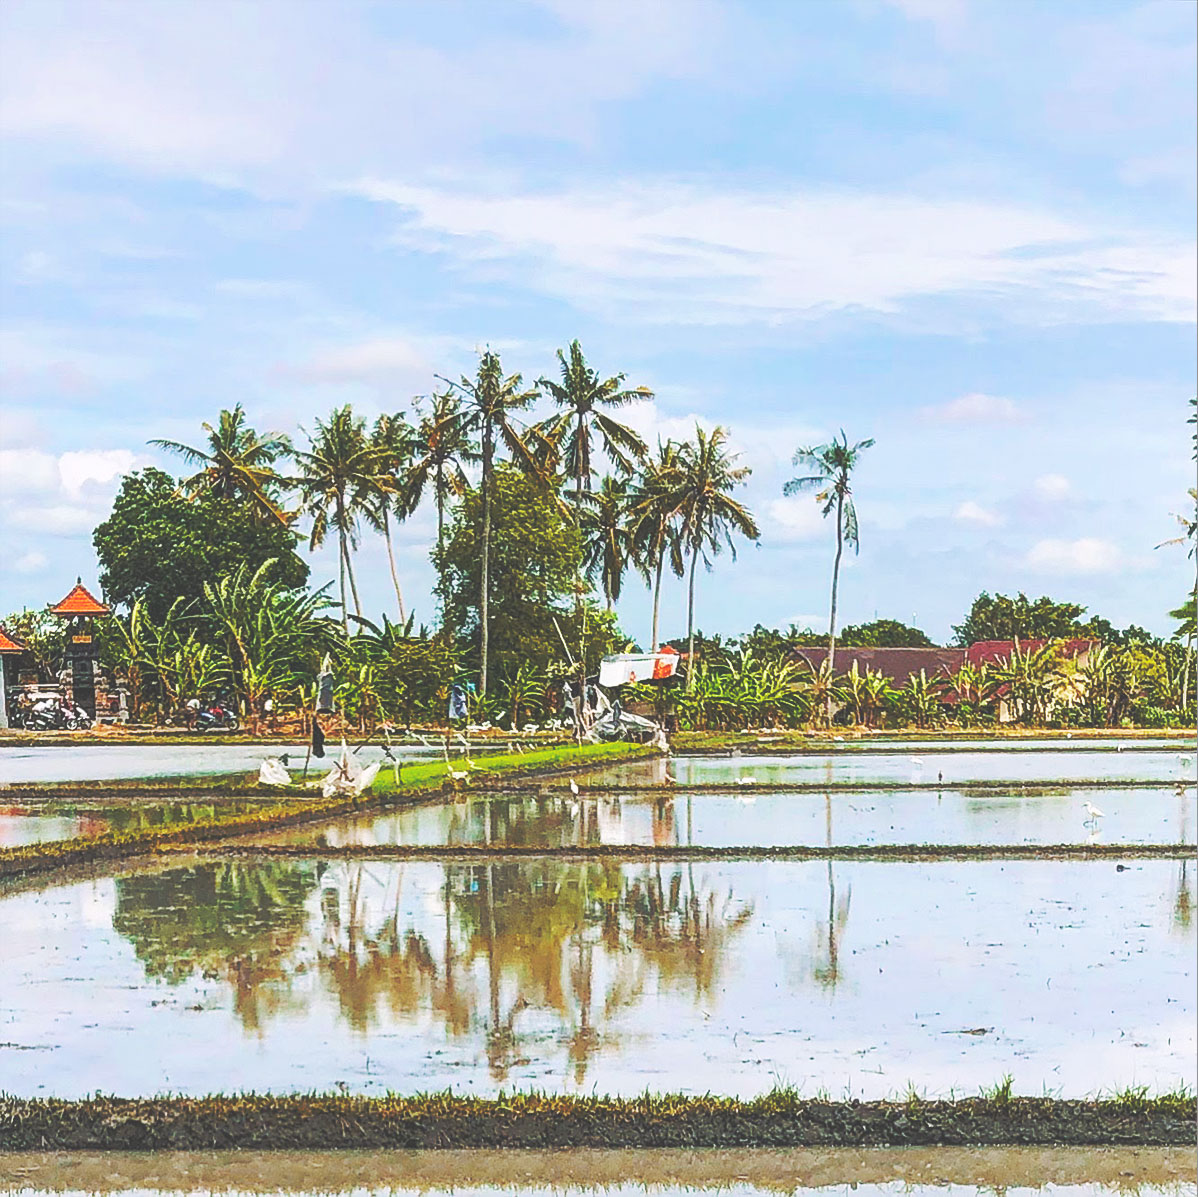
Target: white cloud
975, 408
974, 513
688, 254
795, 519
1052, 487
56, 519
25, 471
32, 562
77, 469
1089, 555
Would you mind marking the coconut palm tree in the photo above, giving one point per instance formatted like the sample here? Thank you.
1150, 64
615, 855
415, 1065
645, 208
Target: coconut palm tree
581, 395
831, 468
393, 441
489, 404
652, 511
606, 536
339, 481
236, 463
440, 451
708, 515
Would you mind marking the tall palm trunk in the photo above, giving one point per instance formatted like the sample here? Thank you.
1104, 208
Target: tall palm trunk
690, 620
441, 547
353, 581
341, 564
661, 562
484, 596
391, 562
832, 619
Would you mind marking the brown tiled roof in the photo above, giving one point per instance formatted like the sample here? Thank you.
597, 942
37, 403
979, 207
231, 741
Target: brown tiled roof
10, 644
1001, 650
80, 602
898, 664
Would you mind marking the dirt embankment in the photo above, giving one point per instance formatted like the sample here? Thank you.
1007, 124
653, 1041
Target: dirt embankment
532, 1121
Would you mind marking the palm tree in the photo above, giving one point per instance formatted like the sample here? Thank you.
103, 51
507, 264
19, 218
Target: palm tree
606, 536
236, 462
831, 469
440, 450
581, 394
393, 440
338, 479
489, 403
652, 510
708, 515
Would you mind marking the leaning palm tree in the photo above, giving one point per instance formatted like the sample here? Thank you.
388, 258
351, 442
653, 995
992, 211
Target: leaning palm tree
653, 524
489, 404
606, 536
708, 514
831, 469
338, 480
440, 449
236, 462
581, 395
392, 439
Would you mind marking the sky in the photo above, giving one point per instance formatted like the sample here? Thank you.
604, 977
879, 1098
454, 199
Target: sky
964, 228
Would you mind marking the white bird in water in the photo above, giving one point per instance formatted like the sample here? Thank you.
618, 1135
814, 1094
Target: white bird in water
573, 787
917, 761
1093, 814
746, 780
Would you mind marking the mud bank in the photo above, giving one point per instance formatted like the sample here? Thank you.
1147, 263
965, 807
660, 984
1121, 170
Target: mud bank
778, 1119
771, 1170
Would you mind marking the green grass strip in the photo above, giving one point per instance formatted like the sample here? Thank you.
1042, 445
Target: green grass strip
530, 1120
416, 782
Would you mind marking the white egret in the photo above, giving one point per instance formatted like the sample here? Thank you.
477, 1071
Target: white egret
746, 780
1093, 814
573, 787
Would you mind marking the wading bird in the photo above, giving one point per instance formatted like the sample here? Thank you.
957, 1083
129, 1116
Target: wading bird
1093, 814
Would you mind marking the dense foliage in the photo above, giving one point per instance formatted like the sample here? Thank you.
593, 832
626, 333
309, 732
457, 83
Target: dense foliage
159, 544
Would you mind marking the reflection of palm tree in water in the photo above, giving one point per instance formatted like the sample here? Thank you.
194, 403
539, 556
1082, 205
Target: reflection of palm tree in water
1183, 904
827, 971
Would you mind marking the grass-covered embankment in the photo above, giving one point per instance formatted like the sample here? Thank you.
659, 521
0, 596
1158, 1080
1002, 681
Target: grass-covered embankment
416, 782
842, 739
778, 1119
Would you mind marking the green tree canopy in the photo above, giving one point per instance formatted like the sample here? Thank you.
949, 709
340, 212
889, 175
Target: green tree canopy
158, 545
536, 555
883, 633
1000, 617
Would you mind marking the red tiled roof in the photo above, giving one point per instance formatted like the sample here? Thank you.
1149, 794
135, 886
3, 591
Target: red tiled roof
80, 602
1000, 650
898, 664
10, 644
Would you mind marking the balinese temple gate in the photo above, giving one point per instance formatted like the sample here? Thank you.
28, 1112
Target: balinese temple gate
82, 652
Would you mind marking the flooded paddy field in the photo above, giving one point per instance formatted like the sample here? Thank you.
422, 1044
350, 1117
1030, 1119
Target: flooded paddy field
1175, 764
854, 979
769, 818
24, 764
868, 1171
43, 822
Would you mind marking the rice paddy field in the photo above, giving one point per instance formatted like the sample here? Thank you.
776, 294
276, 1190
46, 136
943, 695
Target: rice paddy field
305, 960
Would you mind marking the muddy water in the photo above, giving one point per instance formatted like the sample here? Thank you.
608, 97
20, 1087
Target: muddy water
856, 978
1174, 764
767, 818
42, 822
1146, 1171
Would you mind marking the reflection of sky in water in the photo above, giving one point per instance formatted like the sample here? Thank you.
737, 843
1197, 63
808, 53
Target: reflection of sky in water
856, 977
109, 762
909, 765
766, 818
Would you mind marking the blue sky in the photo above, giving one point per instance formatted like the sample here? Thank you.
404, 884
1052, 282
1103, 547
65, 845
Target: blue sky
962, 228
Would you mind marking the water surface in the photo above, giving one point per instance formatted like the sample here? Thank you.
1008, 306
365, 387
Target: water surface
47, 821
767, 818
853, 978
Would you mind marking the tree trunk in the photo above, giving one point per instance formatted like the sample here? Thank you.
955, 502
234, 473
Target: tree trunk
353, 582
484, 595
690, 621
391, 562
661, 561
832, 619
341, 563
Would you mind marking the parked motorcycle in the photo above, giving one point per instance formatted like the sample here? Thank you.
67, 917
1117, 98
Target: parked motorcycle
56, 714
216, 716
